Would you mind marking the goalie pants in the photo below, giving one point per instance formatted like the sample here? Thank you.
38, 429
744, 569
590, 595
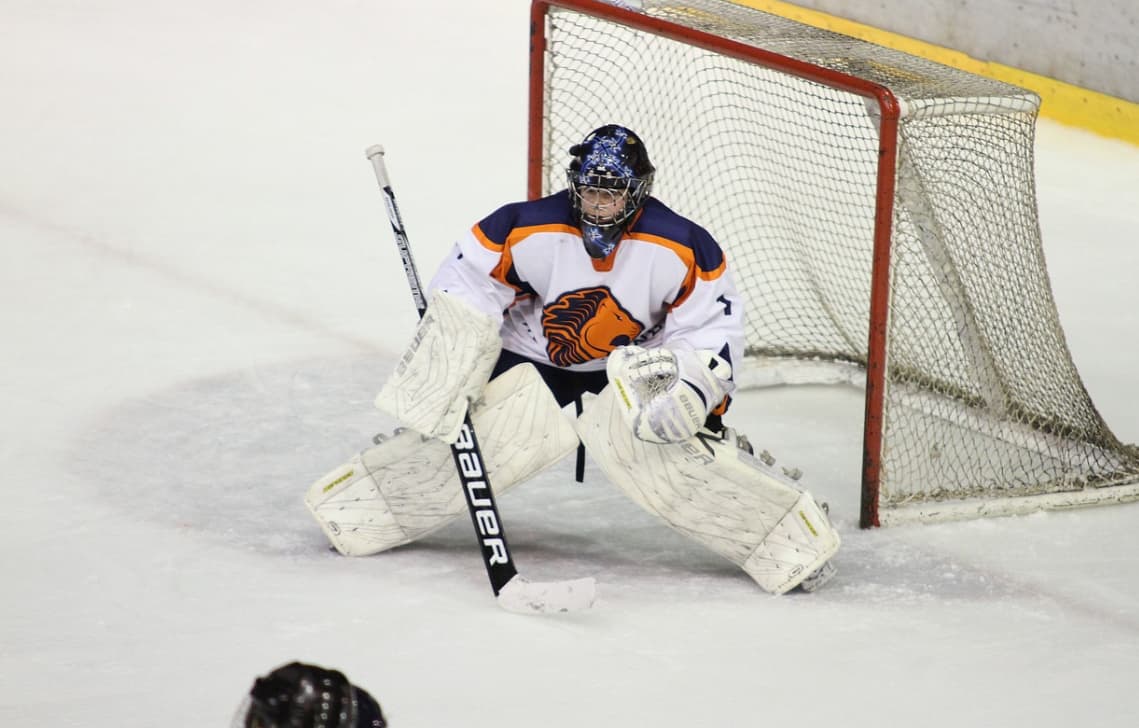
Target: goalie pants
569, 385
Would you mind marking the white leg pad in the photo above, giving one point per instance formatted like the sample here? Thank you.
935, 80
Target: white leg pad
800, 543
715, 493
406, 486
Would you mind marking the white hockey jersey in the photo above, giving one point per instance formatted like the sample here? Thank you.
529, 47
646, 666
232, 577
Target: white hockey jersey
666, 284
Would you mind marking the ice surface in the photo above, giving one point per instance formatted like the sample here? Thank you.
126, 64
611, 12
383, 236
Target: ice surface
199, 297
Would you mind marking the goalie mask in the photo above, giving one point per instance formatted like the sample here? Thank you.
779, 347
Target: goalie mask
299, 695
609, 177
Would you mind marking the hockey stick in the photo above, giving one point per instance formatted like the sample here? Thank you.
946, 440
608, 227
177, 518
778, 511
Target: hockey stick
513, 592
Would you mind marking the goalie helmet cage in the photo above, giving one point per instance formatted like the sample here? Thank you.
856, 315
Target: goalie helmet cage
879, 211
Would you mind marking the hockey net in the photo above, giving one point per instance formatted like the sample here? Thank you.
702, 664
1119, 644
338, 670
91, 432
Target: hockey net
879, 211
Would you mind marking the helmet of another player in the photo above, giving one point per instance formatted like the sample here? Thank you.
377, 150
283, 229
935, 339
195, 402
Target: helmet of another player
300, 695
610, 177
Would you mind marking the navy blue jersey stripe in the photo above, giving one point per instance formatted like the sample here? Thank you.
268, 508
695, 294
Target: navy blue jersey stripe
655, 219
552, 210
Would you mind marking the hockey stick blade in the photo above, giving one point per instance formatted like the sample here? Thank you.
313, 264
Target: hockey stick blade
522, 596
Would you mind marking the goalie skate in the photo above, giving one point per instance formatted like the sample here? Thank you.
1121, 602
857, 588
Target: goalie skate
818, 578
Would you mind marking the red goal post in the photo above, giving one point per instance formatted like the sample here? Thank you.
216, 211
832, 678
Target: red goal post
879, 211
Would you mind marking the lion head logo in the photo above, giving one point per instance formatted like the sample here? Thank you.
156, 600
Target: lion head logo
586, 324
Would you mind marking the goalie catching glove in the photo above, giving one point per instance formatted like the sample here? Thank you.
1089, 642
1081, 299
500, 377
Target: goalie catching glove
444, 369
667, 394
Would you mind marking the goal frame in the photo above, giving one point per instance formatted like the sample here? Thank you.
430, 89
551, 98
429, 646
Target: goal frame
889, 112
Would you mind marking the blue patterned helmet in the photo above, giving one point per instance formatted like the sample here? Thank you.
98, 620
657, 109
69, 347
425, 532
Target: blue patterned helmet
610, 177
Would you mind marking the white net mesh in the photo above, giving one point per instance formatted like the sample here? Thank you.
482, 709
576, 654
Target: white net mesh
982, 399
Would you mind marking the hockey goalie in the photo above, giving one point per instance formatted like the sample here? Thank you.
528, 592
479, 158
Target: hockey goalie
601, 295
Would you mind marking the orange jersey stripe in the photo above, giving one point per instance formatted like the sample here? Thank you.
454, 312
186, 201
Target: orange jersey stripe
684, 253
506, 249
484, 240
520, 233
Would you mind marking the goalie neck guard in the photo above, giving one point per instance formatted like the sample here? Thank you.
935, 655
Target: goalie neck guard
609, 177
